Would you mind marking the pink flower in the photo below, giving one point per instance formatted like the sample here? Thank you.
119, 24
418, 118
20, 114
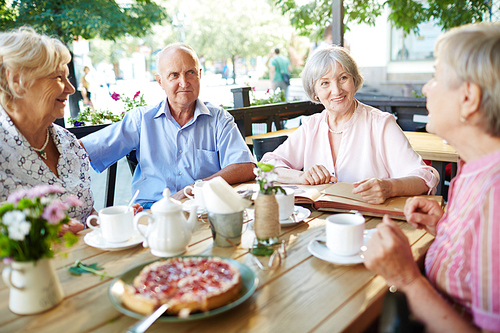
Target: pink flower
14, 197
8, 260
73, 201
136, 94
41, 190
115, 96
267, 92
55, 212
253, 88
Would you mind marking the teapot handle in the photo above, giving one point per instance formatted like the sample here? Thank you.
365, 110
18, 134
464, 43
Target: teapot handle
136, 226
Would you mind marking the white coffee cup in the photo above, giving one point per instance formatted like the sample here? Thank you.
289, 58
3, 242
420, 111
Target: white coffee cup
344, 233
286, 203
196, 193
115, 223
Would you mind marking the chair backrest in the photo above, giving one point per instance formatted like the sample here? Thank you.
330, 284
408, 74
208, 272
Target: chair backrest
132, 161
262, 146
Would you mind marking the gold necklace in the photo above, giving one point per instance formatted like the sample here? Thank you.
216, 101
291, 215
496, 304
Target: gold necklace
41, 151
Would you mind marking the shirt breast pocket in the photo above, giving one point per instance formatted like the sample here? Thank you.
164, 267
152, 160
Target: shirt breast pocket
207, 162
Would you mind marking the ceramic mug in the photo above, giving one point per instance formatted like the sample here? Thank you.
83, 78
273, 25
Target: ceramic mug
196, 193
115, 223
344, 233
286, 203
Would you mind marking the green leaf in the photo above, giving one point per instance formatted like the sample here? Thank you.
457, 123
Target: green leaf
265, 167
79, 268
261, 250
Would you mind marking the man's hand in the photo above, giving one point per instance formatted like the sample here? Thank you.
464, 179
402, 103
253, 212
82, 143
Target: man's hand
316, 175
423, 213
373, 190
179, 195
137, 208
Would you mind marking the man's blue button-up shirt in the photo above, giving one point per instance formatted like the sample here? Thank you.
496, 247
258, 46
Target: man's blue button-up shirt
168, 155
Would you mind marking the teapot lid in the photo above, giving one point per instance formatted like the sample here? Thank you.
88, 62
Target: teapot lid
165, 205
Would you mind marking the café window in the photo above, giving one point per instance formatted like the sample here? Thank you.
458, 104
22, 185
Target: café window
415, 47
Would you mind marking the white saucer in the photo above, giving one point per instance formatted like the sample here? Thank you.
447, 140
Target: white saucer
320, 251
301, 214
95, 239
188, 204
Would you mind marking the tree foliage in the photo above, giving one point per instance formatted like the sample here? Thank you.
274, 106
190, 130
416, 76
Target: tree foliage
236, 28
70, 19
312, 18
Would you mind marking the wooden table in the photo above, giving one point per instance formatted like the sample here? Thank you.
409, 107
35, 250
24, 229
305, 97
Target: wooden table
305, 294
429, 146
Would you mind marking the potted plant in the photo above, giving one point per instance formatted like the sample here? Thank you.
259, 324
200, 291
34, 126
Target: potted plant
89, 120
30, 221
266, 223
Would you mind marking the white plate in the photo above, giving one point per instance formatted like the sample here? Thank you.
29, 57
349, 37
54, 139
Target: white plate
188, 204
320, 251
301, 214
95, 239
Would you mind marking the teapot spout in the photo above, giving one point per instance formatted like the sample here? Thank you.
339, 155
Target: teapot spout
193, 217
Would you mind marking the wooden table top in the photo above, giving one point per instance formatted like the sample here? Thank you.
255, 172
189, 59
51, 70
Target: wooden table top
305, 294
429, 146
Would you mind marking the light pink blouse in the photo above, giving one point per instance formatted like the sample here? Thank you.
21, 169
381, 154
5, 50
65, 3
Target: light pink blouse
373, 146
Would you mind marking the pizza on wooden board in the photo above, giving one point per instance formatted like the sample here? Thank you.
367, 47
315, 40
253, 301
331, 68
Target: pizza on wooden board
187, 284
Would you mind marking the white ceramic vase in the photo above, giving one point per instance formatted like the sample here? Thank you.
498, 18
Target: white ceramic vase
34, 286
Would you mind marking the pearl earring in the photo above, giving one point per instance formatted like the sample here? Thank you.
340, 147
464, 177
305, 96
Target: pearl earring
462, 119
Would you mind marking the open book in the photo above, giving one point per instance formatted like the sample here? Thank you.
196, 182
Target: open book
338, 197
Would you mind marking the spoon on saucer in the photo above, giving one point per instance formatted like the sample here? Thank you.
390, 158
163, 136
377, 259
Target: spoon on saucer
132, 200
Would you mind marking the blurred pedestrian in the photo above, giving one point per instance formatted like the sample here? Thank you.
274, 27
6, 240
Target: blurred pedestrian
279, 71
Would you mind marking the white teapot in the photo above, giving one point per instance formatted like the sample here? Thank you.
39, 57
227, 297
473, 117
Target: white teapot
168, 232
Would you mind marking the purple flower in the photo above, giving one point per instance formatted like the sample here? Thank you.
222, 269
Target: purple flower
8, 260
55, 212
115, 96
78, 123
137, 94
73, 201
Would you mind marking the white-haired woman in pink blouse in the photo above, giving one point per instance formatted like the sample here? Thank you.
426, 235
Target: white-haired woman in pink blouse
349, 141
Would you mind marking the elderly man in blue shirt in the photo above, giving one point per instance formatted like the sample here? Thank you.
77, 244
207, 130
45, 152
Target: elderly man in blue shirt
179, 140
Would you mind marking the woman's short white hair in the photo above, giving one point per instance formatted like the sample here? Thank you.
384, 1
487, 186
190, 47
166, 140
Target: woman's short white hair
473, 52
322, 61
30, 56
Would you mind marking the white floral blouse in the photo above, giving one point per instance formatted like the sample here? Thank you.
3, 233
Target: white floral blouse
21, 167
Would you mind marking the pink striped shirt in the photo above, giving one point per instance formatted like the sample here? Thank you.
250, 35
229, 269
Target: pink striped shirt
464, 260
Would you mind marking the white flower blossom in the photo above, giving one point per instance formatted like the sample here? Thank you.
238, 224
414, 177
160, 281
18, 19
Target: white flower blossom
18, 231
13, 217
45, 200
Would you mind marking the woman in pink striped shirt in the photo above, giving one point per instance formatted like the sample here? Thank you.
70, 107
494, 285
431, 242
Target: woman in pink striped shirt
462, 289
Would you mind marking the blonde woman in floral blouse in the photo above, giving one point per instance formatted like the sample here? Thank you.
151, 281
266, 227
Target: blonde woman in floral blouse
34, 89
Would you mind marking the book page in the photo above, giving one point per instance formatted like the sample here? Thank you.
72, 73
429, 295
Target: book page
343, 190
306, 193
392, 206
